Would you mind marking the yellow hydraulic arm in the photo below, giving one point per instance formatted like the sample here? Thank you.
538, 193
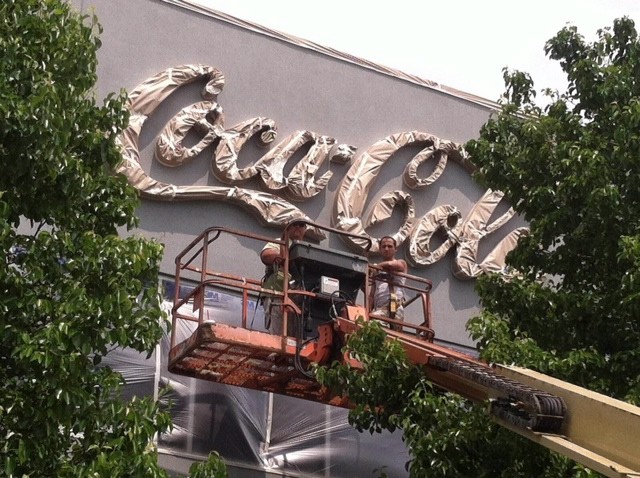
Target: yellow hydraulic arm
598, 431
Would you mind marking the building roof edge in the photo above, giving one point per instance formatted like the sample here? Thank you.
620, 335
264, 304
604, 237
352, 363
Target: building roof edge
310, 45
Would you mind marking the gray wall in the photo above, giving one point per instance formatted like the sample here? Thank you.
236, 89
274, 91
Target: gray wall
300, 89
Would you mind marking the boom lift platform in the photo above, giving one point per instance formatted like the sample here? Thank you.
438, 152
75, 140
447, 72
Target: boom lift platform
319, 298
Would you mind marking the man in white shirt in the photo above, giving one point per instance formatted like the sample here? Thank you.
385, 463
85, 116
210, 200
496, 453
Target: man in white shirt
387, 295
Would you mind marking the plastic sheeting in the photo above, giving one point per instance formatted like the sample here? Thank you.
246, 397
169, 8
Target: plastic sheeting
356, 185
206, 118
251, 429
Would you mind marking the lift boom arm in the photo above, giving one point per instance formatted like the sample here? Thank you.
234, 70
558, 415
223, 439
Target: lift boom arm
590, 428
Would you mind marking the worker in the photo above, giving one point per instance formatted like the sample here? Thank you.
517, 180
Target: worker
387, 293
272, 256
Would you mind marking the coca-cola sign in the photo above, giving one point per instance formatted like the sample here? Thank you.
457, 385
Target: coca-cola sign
302, 182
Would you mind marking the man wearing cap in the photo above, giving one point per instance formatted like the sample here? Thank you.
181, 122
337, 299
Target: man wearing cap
272, 256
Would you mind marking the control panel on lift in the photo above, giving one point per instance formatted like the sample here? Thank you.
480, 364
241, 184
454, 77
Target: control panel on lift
335, 277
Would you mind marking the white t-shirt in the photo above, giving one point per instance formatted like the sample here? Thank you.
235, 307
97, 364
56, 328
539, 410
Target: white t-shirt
382, 295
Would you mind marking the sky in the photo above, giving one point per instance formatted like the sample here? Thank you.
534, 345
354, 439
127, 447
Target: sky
463, 44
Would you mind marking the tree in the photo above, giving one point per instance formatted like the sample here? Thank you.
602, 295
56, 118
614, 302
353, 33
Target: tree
571, 171
71, 289
570, 308
446, 435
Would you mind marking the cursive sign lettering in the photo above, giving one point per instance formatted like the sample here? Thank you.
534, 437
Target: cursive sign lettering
206, 119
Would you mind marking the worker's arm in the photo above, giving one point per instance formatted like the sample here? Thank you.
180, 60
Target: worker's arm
269, 255
394, 265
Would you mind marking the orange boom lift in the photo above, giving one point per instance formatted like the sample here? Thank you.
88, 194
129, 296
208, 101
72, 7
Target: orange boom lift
320, 304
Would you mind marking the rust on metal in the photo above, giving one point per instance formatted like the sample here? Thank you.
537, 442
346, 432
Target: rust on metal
557, 415
244, 358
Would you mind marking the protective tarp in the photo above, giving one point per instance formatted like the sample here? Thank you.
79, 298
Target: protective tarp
464, 235
304, 181
251, 429
206, 118
441, 220
357, 184
473, 229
